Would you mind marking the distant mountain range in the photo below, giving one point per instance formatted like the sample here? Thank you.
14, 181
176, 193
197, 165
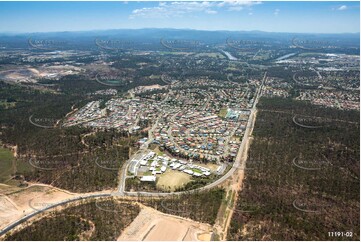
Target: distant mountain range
155, 34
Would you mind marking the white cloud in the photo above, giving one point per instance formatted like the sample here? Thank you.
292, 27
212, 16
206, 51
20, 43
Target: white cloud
211, 11
155, 12
235, 8
341, 8
250, 13
238, 5
171, 9
176, 9
276, 12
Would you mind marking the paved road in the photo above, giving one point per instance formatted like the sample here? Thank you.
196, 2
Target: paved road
121, 191
36, 212
237, 163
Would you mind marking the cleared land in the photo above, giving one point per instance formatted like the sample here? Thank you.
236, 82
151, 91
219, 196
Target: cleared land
8, 210
15, 205
9, 166
100, 219
171, 180
152, 225
199, 206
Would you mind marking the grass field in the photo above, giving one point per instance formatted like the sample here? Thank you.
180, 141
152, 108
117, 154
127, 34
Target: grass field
196, 170
6, 166
6, 160
223, 112
171, 180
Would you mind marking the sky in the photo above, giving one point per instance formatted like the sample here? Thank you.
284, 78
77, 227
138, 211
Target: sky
292, 17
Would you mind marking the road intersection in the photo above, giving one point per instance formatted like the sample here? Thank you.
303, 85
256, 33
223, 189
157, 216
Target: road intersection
123, 173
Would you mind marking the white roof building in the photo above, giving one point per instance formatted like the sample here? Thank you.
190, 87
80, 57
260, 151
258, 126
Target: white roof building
143, 162
190, 172
207, 173
196, 174
148, 178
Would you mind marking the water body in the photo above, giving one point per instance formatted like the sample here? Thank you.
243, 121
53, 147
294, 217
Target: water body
229, 56
285, 56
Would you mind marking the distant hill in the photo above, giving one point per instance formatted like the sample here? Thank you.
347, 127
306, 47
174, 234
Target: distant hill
154, 35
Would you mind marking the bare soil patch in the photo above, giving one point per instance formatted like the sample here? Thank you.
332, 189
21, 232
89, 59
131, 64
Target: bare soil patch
152, 225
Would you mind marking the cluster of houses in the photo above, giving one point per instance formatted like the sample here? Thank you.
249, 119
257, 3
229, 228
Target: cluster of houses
119, 113
191, 102
148, 165
200, 121
87, 113
110, 92
200, 135
332, 98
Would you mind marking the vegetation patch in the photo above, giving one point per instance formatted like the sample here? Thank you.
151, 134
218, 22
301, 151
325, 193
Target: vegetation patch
92, 220
284, 201
63, 157
199, 206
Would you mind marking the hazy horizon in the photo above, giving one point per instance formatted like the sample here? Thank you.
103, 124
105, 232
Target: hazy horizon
183, 29
276, 17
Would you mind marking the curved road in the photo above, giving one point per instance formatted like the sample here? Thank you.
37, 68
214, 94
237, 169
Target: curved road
36, 212
121, 192
236, 164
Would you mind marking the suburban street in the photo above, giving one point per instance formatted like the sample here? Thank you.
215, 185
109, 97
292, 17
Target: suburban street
237, 164
36, 212
123, 173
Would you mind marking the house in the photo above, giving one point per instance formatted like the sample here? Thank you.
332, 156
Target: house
148, 178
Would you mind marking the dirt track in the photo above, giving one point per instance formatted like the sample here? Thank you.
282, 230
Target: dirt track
35, 197
152, 225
